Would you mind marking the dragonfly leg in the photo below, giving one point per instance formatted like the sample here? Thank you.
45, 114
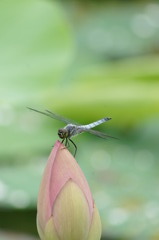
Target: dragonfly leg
64, 143
74, 146
67, 143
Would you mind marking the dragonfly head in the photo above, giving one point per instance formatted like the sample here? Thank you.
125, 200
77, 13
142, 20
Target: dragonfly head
63, 133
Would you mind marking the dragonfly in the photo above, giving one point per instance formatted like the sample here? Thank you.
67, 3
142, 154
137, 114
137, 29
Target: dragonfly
73, 128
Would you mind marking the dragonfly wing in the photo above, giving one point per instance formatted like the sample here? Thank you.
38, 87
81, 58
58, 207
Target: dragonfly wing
53, 115
61, 118
99, 134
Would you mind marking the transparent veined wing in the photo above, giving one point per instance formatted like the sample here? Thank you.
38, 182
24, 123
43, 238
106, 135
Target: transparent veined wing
99, 134
54, 116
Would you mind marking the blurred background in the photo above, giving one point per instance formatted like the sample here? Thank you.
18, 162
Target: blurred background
84, 60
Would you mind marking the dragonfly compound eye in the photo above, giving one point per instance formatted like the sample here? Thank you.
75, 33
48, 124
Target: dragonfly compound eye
62, 133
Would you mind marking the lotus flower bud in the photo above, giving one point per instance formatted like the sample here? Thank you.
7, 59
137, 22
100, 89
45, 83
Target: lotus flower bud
66, 210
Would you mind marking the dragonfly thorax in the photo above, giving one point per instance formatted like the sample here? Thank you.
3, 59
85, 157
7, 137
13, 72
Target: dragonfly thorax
63, 133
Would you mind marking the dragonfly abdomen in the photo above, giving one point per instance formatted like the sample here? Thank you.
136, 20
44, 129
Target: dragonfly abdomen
94, 124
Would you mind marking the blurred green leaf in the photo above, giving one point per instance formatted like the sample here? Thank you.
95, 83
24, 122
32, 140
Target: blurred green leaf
36, 47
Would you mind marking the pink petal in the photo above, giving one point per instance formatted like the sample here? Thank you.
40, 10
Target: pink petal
44, 206
64, 168
60, 168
